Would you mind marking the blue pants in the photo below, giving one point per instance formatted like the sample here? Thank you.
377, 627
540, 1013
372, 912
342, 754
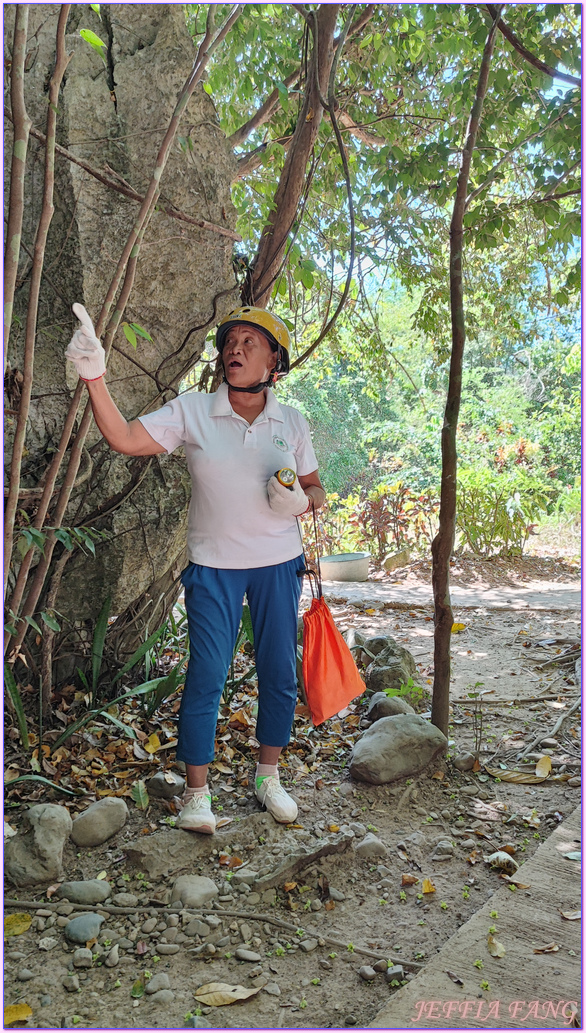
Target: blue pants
213, 601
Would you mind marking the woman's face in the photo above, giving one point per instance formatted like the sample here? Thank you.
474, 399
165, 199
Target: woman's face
247, 356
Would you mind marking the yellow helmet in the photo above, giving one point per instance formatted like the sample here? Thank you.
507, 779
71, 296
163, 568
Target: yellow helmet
270, 325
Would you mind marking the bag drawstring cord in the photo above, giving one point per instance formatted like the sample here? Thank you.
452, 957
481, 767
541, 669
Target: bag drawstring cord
313, 576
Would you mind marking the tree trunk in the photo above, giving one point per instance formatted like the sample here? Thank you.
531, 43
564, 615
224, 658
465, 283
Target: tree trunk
292, 182
443, 543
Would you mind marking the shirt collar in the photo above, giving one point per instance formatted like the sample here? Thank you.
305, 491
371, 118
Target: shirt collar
221, 405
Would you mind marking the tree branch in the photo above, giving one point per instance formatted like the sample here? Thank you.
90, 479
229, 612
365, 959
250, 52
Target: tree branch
262, 114
274, 237
123, 188
535, 61
270, 105
22, 125
490, 175
251, 161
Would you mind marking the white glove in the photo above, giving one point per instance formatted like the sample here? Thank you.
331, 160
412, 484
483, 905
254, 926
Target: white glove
287, 502
84, 349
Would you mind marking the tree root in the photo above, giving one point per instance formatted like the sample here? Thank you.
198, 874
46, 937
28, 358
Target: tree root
111, 909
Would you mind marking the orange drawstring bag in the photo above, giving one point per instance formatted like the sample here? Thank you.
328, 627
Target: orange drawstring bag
329, 671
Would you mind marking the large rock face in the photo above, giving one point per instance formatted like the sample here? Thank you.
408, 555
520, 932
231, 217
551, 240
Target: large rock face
141, 502
35, 856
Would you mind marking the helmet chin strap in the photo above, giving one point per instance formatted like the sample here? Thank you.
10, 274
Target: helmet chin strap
254, 390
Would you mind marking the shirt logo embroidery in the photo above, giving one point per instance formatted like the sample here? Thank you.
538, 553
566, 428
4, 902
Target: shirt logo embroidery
280, 443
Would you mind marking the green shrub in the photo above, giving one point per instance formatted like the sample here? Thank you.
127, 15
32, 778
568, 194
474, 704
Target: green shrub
497, 513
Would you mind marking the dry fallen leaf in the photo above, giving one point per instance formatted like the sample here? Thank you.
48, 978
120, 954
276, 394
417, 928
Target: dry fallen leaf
495, 949
439, 775
333, 828
571, 916
516, 882
549, 948
235, 862
428, 886
142, 947
409, 880
455, 978
16, 924
474, 857
289, 887
457, 628
329, 905
16, 1013
543, 766
217, 994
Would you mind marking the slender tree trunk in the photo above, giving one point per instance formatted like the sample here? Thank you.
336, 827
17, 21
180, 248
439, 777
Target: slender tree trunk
61, 62
22, 125
443, 542
293, 178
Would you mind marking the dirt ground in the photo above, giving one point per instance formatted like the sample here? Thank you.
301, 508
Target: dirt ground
378, 914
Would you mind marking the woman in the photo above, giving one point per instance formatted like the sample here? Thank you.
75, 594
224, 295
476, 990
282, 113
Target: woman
243, 536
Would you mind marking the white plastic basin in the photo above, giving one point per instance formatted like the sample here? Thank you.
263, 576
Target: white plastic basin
346, 566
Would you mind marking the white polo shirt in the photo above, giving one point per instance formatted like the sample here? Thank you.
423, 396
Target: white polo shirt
231, 524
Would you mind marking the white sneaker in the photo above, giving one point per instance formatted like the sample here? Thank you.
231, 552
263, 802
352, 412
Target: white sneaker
276, 801
197, 815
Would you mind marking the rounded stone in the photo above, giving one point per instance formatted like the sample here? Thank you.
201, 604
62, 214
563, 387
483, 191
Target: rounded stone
245, 955
193, 890
99, 822
163, 997
367, 973
464, 761
160, 981
125, 900
83, 928
24, 974
167, 948
88, 891
82, 958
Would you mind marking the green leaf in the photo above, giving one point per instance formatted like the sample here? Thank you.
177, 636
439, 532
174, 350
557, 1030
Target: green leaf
64, 537
33, 624
33, 536
141, 331
208, 88
90, 37
82, 536
120, 724
10, 629
140, 796
247, 624
140, 652
46, 781
166, 687
96, 8
98, 642
15, 696
137, 989
50, 621
129, 334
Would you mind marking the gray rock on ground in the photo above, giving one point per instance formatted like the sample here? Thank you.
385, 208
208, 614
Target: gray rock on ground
395, 747
165, 785
83, 928
382, 705
88, 891
370, 846
392, 668
160, 981
193, 890
99, 822
35, 856
396, 560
